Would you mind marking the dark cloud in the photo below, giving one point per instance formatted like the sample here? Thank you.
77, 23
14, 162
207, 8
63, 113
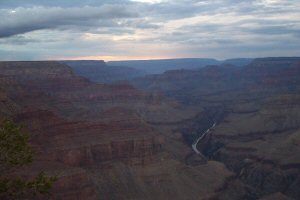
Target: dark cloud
22, 20
214, 28
57, 3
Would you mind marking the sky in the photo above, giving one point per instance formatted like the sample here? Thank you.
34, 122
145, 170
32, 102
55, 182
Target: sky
148, 29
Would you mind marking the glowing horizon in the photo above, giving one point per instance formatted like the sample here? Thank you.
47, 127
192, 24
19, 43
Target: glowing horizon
113, 58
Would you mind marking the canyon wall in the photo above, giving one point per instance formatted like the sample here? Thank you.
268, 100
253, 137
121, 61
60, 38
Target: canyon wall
103, 141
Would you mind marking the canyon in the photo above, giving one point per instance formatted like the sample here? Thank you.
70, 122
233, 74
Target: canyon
122, 133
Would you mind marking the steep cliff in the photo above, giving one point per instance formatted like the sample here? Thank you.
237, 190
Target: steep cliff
103, 141
100, 72
258, 128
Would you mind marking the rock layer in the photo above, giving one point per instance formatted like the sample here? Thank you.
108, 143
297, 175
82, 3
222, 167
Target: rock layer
103, 141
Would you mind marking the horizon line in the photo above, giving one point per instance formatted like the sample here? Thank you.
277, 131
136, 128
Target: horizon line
153, 59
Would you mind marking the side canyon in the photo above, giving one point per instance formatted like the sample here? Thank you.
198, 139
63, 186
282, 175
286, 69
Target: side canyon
129, 135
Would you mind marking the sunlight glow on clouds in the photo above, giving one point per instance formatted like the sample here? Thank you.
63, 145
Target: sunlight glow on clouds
144, 29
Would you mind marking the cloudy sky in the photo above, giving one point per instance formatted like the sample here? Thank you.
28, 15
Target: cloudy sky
148, 29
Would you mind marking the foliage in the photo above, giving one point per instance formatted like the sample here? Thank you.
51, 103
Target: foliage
16, 152
14, 148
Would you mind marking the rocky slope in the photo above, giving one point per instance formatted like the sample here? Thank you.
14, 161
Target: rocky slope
163, 65
100, 72
262, 147
104, 141
119, 142
256, 134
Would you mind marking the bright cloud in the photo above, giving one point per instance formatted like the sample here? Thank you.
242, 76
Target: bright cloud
133, 29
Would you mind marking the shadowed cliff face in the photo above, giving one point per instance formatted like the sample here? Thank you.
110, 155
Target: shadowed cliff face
119, 142
262, 147
99, 72
103, 141
163, 65
256, 136
226, 84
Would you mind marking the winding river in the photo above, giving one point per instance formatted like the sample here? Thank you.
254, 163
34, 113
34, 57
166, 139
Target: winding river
194, 145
